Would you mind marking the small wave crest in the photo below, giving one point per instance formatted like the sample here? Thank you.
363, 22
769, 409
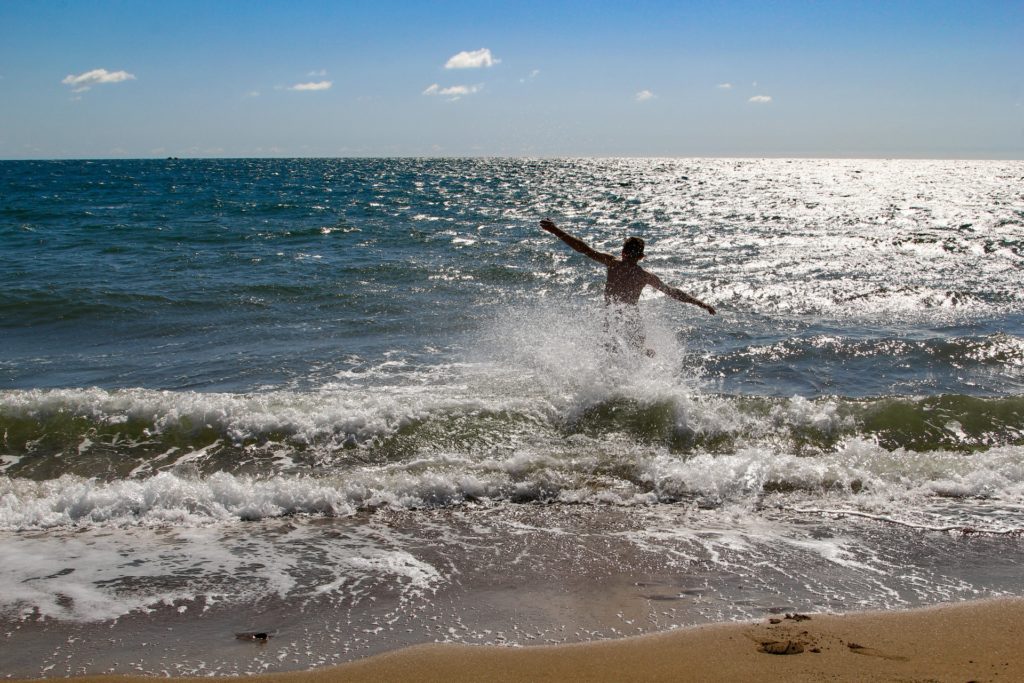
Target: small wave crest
135, 432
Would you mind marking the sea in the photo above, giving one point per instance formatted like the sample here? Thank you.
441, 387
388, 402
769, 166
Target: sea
270, 414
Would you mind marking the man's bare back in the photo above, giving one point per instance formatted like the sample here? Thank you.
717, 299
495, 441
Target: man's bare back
625, 282
626, 279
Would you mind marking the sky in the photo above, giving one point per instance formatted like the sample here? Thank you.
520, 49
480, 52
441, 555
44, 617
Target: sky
548, 78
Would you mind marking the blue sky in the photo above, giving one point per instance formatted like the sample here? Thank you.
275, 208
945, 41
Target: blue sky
380, 78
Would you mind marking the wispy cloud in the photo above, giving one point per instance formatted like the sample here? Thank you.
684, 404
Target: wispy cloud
724, 86
85, 81
643, 96
760, 99
472, 60
317, 73
314, 85
533, 74
453, 92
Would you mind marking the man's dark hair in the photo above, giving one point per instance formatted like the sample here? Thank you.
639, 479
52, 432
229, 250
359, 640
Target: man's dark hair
633, 246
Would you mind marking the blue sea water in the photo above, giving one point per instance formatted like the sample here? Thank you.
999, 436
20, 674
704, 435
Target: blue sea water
188, 347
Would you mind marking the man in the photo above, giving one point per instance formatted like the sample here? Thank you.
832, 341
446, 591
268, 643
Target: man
626, 280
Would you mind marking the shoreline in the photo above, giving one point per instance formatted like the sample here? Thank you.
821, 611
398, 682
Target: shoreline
974, 640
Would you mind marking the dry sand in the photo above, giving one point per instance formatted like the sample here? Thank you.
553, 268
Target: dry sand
978, 641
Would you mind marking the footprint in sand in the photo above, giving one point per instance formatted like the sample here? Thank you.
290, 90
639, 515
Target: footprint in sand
872, 652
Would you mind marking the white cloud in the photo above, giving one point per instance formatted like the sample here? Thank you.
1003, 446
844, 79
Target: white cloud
644, 95
724, 86
454, 92
760, 99
317, 73
84, 81
472, 60
316, 85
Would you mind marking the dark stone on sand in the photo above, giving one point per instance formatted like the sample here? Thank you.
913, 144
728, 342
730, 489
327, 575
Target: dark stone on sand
256, 636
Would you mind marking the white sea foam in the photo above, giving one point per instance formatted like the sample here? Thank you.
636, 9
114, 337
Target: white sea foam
161, 500
91, 576
860, 474
563, 357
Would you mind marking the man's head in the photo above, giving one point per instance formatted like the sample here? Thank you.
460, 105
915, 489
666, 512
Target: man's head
633, 249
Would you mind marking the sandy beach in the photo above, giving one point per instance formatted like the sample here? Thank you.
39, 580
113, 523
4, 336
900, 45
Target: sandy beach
975, 641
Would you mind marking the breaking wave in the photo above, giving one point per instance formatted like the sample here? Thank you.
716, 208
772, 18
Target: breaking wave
98, 457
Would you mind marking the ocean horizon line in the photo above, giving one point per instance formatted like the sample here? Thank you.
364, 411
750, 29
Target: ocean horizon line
528, 157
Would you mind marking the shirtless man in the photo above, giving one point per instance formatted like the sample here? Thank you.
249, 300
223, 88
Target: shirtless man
626, 280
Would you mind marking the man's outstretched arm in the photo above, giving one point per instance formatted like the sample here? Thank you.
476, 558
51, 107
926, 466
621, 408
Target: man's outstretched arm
577, 244
677, 294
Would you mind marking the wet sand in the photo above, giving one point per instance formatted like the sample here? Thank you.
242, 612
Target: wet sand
515, 576
975, 641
